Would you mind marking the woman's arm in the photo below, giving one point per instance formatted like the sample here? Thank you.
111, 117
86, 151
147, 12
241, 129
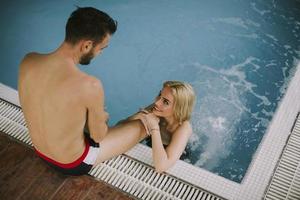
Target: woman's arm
136, 115
165, 158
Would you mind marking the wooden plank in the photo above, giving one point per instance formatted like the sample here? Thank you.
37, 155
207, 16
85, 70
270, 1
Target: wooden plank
4, 142
18, 180
104, 191
44, 185
74, 188
12, 157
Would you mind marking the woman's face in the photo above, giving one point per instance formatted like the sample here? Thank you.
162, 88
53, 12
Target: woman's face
163, 106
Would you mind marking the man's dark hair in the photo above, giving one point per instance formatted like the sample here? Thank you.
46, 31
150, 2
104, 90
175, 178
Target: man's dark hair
90, 24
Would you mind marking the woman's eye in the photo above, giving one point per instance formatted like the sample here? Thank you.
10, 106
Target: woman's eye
166, 102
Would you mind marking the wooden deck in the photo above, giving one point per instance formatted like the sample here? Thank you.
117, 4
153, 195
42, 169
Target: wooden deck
24, 176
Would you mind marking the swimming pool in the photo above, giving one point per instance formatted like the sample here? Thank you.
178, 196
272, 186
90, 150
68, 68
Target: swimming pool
239, 56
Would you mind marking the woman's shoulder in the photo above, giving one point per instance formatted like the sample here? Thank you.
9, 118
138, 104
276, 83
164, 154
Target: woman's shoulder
186, 126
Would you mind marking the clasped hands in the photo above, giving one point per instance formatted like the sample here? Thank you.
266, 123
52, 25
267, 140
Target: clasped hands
149, 120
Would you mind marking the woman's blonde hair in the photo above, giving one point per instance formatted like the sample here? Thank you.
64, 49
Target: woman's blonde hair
184, 99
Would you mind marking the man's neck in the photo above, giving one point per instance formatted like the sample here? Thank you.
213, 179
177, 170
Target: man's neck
68, 52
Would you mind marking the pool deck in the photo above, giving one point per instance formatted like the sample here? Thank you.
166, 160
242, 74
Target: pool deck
24, 176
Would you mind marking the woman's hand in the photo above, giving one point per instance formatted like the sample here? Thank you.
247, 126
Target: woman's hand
152, 122
149, 120
141, 116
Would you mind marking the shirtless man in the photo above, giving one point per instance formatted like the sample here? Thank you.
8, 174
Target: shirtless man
58, 99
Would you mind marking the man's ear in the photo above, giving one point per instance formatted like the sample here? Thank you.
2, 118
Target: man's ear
86, 46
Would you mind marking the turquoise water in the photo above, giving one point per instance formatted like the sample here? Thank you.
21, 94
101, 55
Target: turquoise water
238, 55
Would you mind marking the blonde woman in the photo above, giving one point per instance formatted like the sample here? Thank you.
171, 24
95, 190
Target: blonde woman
167, 121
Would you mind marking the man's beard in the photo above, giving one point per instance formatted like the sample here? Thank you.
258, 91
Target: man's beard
86, 58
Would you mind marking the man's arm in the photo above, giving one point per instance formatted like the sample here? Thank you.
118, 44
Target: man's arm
96, 117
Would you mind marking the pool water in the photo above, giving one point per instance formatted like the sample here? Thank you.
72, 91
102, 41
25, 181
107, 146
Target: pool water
238, 55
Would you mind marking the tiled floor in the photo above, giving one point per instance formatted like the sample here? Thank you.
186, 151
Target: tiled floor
25, 176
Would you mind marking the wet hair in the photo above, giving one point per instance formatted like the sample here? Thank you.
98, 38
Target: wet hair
90, 24
184, 99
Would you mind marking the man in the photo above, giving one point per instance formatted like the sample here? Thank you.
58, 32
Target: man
58, 99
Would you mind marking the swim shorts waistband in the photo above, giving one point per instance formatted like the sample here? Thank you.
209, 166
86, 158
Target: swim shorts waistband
68, 165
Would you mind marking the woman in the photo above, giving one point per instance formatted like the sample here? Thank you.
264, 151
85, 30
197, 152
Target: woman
167, 122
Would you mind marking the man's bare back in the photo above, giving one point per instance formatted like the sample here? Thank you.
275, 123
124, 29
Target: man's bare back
58, 100
60, 90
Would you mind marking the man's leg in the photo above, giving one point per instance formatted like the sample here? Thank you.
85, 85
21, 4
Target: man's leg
120, 139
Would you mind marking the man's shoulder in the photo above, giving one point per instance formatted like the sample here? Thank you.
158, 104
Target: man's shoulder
29, 59
30, 56
27, 63
90, 82
90, 85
